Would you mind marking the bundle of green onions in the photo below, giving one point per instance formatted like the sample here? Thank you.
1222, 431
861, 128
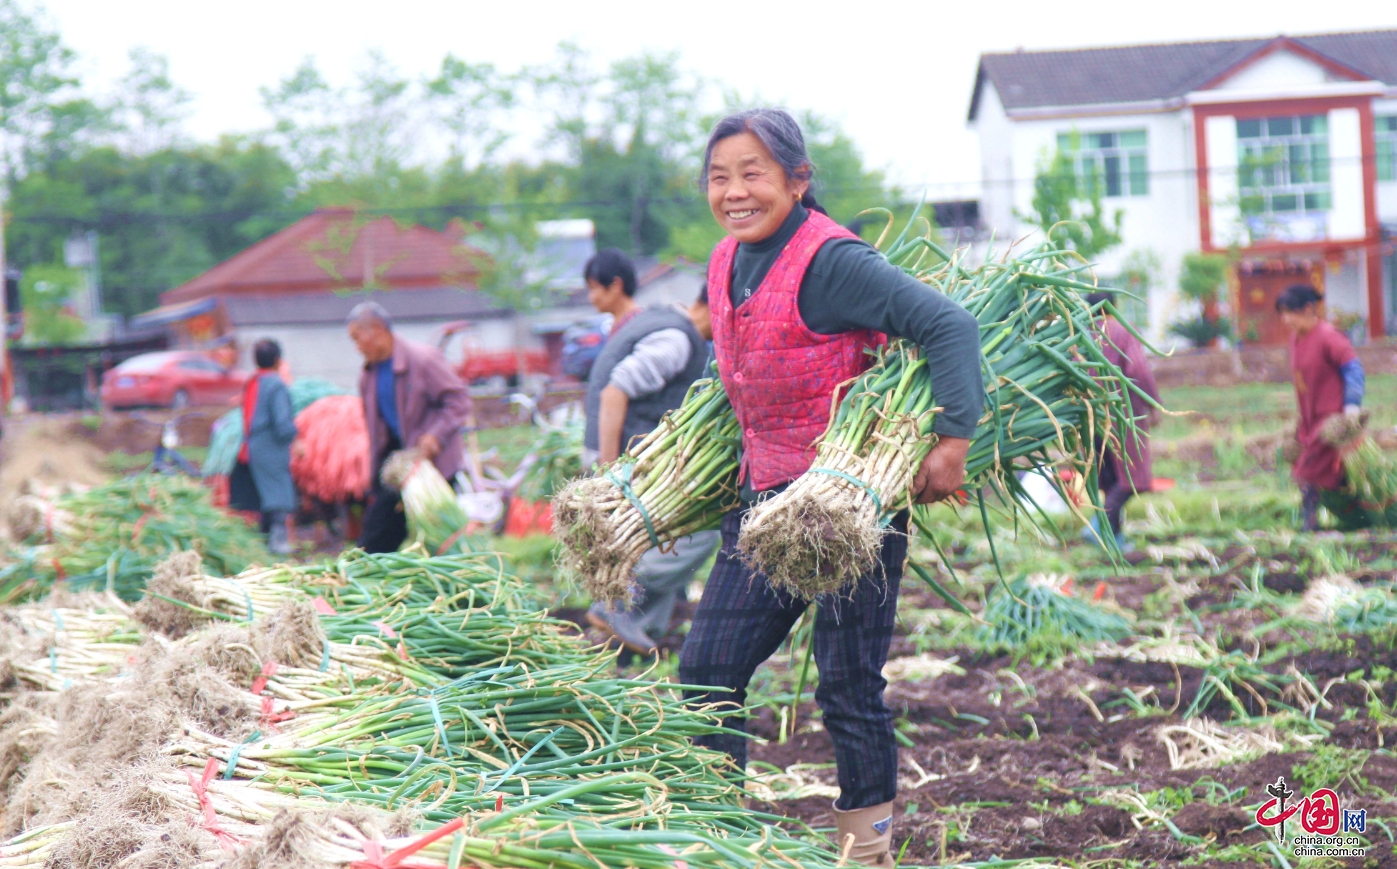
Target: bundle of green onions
557, 460
435, 517
679, 479
1052, 397
119, 531
1041, 606
1370, 471
433, 684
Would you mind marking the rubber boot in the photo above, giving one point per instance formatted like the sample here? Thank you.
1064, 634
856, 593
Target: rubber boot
278, 540
1092, 533
623, 626
872, 832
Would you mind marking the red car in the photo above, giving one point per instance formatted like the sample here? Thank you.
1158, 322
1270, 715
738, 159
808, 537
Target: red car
175, 379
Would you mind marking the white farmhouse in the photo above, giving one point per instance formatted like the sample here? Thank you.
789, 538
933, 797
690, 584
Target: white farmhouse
1283, 151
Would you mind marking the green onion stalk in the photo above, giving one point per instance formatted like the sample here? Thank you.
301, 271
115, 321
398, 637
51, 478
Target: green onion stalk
679, 479
521, 837
1051, 398
557, 460
434, 515
122, 529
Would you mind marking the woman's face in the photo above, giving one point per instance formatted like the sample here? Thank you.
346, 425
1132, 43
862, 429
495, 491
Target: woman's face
1303, 321
748, 190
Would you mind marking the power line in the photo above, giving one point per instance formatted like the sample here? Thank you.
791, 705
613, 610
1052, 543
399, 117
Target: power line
472, 209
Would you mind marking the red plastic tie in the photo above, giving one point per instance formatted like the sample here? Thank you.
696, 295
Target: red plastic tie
323, 607
456, 535
1100, 591
268, 671
499, 802
375, 858
387, 630
201, 792
678, 864
271, 719
58, 569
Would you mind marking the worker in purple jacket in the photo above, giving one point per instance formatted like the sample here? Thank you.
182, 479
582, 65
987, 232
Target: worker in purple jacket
1129, 471
411, 398
796, 301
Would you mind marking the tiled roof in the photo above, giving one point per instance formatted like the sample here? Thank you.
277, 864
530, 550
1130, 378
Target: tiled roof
333, 249
1138, 73
322, 308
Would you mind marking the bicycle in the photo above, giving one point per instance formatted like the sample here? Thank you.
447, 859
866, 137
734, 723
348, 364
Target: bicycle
168, 459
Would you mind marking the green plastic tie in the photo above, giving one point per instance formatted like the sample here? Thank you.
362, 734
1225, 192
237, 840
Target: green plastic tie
624, 484
237, 750
247, 597
872, 493
58, 621
325, 656
53, 659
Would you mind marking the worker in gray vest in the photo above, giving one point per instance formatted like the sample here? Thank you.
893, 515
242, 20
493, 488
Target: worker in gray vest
645, 369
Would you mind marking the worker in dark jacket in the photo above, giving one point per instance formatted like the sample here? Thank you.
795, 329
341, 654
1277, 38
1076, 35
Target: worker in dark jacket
412, 398
650, 360
261, 480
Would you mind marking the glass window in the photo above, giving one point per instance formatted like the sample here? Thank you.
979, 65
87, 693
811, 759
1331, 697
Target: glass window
1116, 161
1387, 147
1283, 164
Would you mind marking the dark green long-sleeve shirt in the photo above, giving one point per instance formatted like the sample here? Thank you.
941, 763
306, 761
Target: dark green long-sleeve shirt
850, 286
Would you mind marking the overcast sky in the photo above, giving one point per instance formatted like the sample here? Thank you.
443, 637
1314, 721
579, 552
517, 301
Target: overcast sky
898, 75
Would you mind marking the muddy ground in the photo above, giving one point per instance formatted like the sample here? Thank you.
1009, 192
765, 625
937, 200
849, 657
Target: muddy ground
1010, 760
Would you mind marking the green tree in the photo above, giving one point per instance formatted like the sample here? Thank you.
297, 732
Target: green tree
1068, 208
36, 79
161, 218
1201, 279
46, 291
468, 101
567, 89
303, 127
150, 106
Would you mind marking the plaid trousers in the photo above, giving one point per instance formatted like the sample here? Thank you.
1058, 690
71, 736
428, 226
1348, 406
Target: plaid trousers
741, 621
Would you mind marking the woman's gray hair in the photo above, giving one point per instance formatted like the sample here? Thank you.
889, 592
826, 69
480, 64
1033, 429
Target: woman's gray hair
781, 135
370, 314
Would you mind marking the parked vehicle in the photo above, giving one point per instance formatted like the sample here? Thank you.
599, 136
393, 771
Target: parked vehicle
174, 379
479, 366
582, 344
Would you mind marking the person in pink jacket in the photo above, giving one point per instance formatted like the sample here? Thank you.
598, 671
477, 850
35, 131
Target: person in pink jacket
1129, 471
411, 398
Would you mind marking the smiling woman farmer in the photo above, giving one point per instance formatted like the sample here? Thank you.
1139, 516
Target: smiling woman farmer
796, 300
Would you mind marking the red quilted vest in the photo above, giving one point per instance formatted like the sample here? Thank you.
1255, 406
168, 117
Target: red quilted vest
780, 375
